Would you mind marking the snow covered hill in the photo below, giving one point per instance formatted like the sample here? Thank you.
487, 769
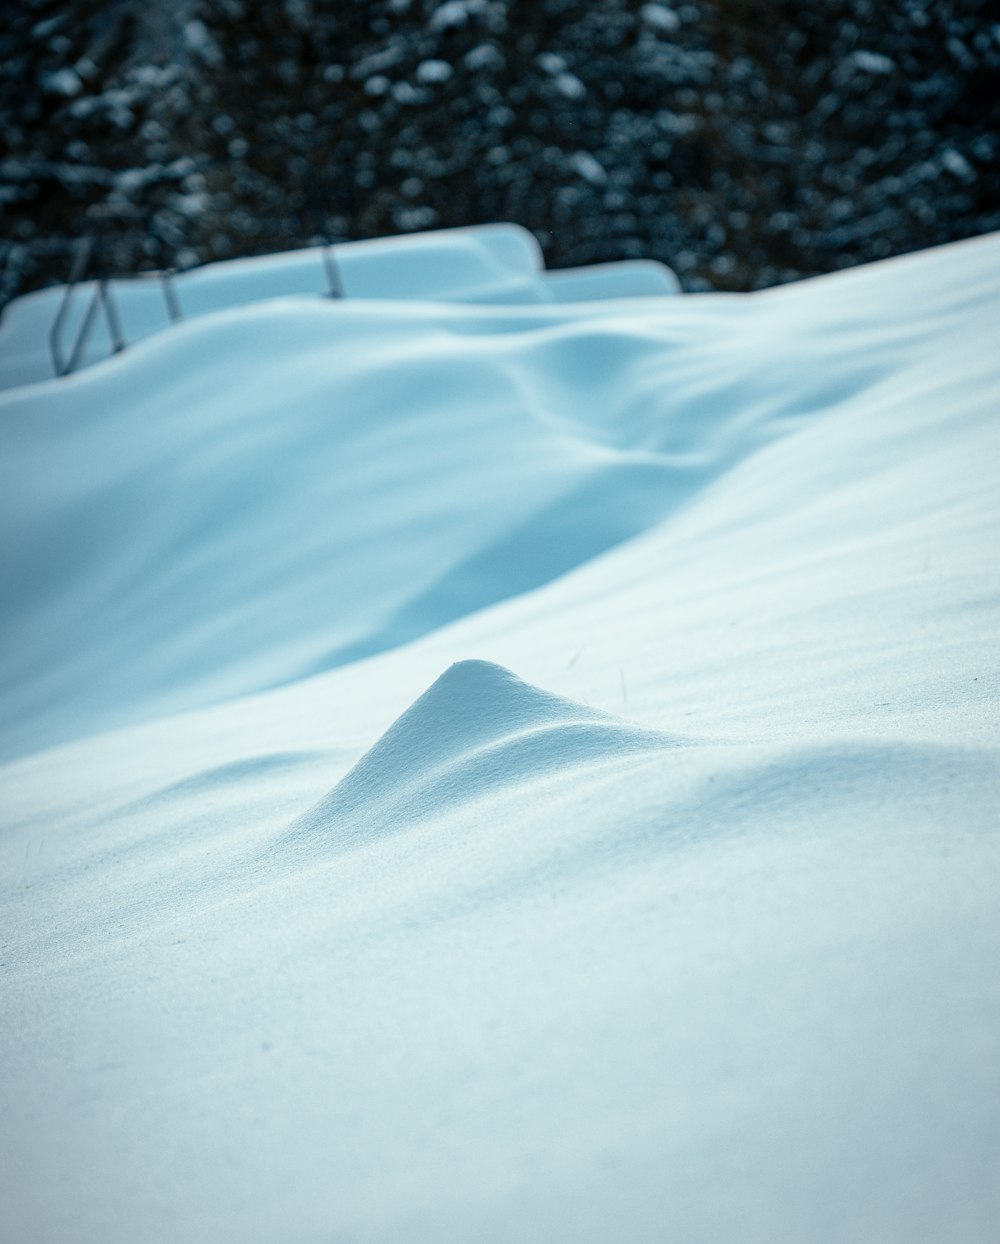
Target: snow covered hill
481, 764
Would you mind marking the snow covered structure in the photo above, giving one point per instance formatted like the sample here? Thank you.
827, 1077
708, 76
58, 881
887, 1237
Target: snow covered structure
507, 770
487, 264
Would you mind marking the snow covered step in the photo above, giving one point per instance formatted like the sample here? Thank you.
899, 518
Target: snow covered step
637, 278
445, 265
438, 265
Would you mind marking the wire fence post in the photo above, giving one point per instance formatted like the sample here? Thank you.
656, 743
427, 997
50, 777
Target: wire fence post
170, 295
111, 315
80, 261
80, 345
334, 285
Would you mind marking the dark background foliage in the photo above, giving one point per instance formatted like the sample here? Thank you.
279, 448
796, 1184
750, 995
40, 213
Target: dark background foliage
743, 142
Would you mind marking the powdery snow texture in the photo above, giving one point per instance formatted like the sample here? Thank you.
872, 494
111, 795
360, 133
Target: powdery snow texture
507, 772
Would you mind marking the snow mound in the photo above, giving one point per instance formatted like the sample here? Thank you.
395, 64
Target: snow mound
479, 727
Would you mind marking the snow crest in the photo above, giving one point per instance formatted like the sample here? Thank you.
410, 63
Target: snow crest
478, 728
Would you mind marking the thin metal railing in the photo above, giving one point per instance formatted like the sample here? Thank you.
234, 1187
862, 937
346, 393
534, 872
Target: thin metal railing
170, 295
111, 315
76, 355
334, 284
102, 299
80, 261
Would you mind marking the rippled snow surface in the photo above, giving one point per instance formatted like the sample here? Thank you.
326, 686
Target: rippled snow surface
504, 757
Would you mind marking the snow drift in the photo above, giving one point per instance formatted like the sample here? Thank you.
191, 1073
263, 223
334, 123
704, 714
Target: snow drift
507, 770
477, 728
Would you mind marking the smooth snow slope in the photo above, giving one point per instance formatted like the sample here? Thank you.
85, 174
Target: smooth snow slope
614, 854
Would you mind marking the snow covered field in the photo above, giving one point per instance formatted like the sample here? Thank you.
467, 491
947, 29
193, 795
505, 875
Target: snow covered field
481, 765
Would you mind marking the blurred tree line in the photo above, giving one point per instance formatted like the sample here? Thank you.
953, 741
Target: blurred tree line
743, 142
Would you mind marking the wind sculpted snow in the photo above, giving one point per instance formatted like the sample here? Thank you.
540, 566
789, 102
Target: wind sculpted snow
508, 772
302, 484
476, 729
